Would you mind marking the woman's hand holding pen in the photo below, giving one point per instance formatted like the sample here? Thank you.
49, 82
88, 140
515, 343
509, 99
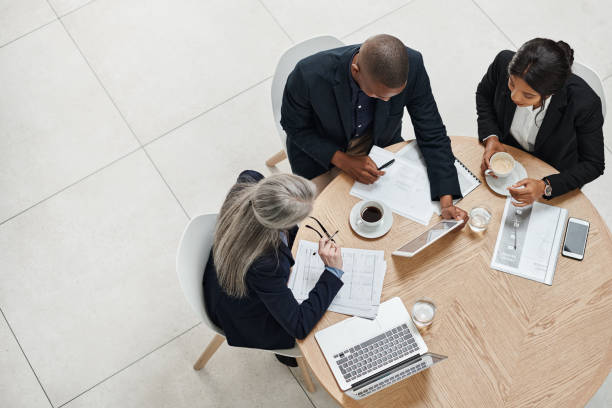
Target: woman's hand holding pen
330, 253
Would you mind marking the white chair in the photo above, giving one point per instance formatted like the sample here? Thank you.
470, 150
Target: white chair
191, 258
594, 81
285, 65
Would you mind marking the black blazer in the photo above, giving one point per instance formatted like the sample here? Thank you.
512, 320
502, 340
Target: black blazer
316, 114
269, 317
570, 138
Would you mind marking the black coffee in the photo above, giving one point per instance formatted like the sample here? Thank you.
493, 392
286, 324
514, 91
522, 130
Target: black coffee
371, 214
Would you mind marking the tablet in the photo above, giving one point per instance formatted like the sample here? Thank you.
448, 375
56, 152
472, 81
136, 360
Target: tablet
427, 238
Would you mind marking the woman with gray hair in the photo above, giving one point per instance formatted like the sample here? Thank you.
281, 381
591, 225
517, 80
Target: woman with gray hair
245, 280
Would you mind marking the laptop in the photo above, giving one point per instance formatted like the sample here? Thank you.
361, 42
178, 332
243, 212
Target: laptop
366, 356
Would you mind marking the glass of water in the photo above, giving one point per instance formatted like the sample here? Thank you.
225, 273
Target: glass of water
423, 312
480, 217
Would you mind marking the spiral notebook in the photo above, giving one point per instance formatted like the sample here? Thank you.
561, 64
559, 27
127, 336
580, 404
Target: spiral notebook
467, 180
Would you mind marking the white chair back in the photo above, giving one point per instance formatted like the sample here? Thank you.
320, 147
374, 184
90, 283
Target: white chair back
285, 65
591, 78
191, 258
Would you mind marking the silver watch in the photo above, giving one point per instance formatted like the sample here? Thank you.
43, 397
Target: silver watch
548, 188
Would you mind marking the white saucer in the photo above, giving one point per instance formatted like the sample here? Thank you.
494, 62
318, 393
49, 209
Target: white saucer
500, 185
382, 229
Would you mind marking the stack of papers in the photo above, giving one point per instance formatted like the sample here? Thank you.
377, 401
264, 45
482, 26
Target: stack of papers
405, 186
364, 273
529, 241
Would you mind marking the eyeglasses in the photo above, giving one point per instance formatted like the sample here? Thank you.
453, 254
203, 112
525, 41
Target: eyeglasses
331, 237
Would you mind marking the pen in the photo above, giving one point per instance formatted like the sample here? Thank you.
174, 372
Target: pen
387, 164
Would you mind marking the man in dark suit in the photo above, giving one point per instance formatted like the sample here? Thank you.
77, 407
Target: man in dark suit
337, 104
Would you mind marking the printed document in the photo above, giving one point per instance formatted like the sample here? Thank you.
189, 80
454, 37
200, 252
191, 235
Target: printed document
529, 241
364, 273
405, 186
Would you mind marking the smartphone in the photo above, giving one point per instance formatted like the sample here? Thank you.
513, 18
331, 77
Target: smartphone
575, 238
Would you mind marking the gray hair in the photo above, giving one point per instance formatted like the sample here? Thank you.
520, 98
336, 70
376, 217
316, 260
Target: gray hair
250, 222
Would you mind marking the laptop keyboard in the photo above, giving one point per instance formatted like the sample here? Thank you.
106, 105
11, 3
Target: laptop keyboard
377, 352
392, 379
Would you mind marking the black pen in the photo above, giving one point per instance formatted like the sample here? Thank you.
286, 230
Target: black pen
387, 164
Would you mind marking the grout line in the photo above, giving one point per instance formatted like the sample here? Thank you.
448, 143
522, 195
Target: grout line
26, 357
76, 9
277, 22
608, 148
122, 116
95, 74
167, 185
378, 19
494, 23
206, 111
131, 364
303, 390
606, 78
28, 33
70, 185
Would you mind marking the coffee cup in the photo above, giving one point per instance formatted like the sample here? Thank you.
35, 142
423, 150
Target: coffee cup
501, 165
370, 215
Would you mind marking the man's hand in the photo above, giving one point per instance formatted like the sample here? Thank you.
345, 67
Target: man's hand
492, 146
450, 212
527, 191
361, 168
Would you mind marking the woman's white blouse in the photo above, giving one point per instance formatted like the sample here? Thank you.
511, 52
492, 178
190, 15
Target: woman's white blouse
526, 123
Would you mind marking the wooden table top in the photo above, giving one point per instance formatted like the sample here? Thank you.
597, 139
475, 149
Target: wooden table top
510, 342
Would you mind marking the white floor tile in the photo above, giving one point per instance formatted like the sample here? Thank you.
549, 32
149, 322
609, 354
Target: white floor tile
18, 385
56, 122
457, 42
303, 20
234, 377
603, 397
202, 159
62, 7
166, 61
320, 398
584, 25
600, 193
20, 17
88, 277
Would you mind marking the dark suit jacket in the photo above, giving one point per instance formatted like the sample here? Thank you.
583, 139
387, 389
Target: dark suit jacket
317, 114
570, 138
269, 317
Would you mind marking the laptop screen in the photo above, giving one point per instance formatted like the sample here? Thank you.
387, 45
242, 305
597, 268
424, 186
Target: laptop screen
393, 375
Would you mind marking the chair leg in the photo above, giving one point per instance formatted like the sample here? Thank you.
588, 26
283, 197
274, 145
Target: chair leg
276, 158
307, 380
210, 350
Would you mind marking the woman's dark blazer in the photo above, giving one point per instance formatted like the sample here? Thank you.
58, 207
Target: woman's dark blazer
570, 138
269, 317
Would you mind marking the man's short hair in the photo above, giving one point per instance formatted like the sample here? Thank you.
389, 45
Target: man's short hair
385, 59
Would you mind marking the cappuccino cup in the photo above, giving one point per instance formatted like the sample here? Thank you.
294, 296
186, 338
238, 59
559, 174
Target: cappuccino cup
370, 215
501, 165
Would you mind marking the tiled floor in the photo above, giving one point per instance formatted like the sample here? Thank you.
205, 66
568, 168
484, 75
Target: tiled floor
120, 119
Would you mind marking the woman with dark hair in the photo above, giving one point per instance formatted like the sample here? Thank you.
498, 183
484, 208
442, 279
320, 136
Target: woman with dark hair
531, 100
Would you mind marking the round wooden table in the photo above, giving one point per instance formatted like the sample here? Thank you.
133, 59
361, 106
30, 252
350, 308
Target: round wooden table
510, 342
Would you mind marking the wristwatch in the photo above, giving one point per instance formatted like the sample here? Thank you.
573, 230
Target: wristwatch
548, 188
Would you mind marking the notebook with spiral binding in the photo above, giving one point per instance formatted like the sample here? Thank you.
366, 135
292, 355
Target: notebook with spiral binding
467, 182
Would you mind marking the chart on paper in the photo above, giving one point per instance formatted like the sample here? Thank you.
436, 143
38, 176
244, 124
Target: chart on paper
364, 273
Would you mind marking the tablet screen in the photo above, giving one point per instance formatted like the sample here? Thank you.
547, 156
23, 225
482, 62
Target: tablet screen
429, 236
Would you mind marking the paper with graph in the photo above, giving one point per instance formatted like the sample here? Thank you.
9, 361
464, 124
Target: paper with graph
364, 273
529, 241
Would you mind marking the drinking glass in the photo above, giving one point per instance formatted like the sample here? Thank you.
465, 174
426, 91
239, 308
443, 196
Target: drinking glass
480, 217
423, 312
